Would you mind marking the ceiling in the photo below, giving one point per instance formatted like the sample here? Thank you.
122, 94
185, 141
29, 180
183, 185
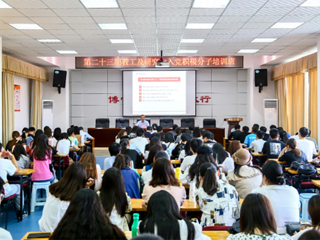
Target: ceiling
156, 25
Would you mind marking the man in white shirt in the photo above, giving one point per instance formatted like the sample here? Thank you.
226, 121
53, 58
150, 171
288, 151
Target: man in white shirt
257, 145
4, 234
140, 141
86, 136
305, 145
189, 160
147, 176
114, 149
142, 123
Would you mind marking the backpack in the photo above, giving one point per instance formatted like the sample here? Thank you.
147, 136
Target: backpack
303, 168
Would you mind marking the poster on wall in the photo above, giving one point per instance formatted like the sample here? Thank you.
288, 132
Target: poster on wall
17, 98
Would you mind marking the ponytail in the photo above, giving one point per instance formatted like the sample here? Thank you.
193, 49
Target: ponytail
273, 172
292, 143
210, 181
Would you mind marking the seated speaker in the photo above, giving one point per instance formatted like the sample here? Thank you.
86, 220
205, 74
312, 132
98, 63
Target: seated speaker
166, 122
102, 123
122, 122
209, 123
147, 119
186, 122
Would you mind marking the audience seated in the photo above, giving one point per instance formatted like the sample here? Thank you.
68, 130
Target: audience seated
21, 157
283, 136
153, 141
88, 160
273, 147
148, 131
64, 145
217, 200
86, 136
131, 178
121, 133
57, 133
178, 134
31, 133
133, 154
85, 218
147, 175
266, 135
160, 131
228, 163
291, 153
305, 145
163, 219
245, 177
219, 154
242, 136
169, 142
283, 198
257, 145
72, 136
257, 221
235, 133
24, 133
114, 198
312, 139
252, 136
310, 235
139, 141
61, 193
36, 137
196, 132
164, 178
154, 128
208, 139
189, 160
150, 155
114, 149
48, 132
180, 146
4, 234
15, 138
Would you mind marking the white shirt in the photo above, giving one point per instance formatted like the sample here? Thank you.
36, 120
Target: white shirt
298, 235
63, 146
257, 145
52, 142
142, 124
108, 162
284, 200
5, 235
228, 165
52, 213
85, 135
198, 235
140, 143
146, 177
187, 161
307, 147
6, 167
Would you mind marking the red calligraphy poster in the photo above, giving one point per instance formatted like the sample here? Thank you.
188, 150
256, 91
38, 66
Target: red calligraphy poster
17, 98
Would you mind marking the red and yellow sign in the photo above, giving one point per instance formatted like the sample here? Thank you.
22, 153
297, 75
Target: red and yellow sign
17, 98
150, 62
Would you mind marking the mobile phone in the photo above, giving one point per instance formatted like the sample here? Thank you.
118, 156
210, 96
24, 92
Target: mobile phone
39, 235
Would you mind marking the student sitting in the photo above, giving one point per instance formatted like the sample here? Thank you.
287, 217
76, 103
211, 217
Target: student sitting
121, 133
114, 150
140, 141
133, 154
208, 139
242, 136
180, 146
305, 145
256, 220
219, 154
160, 131
131, 178
189, 160
178, 135
228, 163
217, 200
266, 135
72, 136
257, 145
146, 177
4, 234
154, 128
60, 194
155, 139
33, 144
85, 218
86, 136
245, 177
48, 132
88, 160
114, 199
20, 155
274, 147
147, 134
31, 134
312, 139
291, 153
196, 132
15, 138
24, 133
164, 178
310, 235
283, 198
314, 212
164, 219
235, 133
42, 161
169, 142
64, 145
57, 134
154, 150
251, 137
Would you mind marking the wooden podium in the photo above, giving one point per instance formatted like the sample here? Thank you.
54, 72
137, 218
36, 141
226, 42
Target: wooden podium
232, 122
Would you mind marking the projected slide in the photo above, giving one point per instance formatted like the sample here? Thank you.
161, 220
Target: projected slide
159, 93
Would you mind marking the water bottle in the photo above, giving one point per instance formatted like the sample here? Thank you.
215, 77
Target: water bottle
135, 225
178, 171
192, 192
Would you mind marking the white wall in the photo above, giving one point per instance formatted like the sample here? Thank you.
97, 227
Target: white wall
22, 118
1, 89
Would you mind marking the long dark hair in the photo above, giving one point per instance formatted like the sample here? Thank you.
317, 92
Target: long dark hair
48, 131
210, 181
124, 144
256, 212
74, 179
38, 133
85, 218
219, 154
234, 146
163, 212
57, 133
18, 151
152, 153
113, 193
168, 137
163, 173
314, 211
88, 160
292, 143
121, 161
42, 148
195, 167
273, 172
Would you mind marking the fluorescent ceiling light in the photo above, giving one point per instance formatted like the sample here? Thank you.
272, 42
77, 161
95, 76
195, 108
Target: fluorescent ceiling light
248, 50
199, 25
311, 3
287, 25
187, 51
113, 26
262, 40
210, 3
100, 3
4, 5
67, 52
121, 40
26, 26
192, 40
127, 51
49, 40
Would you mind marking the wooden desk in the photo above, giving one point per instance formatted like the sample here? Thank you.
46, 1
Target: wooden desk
177, 162
26, 235
217, 235
187, 206
59, 159
316, 183
102, 172
296, 172
255, 154
241, 200
274, 159
139, 171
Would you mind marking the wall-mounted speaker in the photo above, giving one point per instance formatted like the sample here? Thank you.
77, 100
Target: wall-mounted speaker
59, 79
260, 77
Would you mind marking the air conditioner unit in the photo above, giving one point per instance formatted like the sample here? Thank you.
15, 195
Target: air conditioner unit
47, 113
270, 112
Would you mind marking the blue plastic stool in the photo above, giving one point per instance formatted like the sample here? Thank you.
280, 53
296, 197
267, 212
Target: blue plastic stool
304, 200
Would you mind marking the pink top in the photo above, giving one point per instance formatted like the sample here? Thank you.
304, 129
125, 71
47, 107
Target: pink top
43, 169
179, 193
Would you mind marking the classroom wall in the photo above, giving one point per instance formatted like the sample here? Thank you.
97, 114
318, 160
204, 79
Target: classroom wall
22, 118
